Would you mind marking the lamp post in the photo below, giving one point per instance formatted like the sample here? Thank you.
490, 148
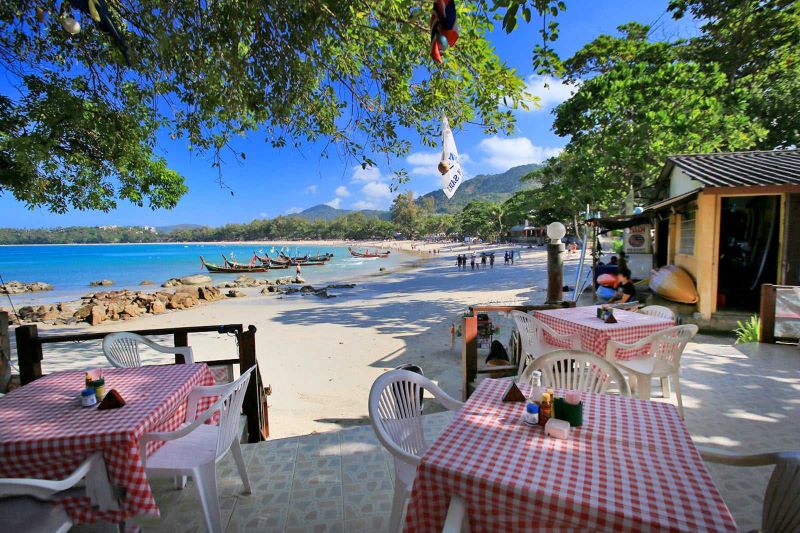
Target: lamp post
555, 262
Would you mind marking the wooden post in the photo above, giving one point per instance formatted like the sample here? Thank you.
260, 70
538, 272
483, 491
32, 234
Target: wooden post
469, 355
29, 353
181, 338
555, 272
5, 352
767, 314
252, 400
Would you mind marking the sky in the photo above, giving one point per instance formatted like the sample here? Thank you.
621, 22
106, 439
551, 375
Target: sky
274, 181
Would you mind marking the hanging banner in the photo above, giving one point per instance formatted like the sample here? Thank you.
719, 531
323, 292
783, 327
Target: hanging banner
449, 166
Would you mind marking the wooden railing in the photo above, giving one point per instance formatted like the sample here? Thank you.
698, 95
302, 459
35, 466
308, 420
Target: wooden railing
767, 312
469, 344
30, 355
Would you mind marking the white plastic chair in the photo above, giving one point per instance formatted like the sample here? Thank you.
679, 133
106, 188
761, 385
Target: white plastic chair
395, 412
195, 448
26, 506
575, 370
662, 361
782, 497
658, 311
532, 333
122, 349
456, 515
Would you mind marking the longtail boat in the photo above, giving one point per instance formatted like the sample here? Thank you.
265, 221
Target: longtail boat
231, 268
307, 259
273, 264
367, 253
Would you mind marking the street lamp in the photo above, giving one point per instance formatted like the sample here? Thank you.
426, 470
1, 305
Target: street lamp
555, 262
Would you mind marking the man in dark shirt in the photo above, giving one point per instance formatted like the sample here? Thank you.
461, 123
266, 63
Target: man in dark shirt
626, 290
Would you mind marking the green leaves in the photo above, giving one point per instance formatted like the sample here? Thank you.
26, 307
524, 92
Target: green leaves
355, 74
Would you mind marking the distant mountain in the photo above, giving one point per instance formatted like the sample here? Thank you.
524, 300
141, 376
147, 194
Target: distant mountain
328, 213
487, 187
177, 227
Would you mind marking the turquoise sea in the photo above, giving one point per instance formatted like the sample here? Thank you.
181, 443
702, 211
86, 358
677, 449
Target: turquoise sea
70, 268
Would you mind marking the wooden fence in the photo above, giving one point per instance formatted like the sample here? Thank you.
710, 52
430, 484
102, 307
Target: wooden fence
30, 355
469, 344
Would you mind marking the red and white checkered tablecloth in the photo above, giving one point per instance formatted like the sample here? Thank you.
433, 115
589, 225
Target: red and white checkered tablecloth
632, 466
46, 433
595, 334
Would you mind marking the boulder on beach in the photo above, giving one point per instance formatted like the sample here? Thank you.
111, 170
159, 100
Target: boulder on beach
235, 294
171, 282
147, 282
18, 287
286, 280
196, 279
101, 283
299, 279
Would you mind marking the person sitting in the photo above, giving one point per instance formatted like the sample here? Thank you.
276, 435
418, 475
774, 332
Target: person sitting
626, 290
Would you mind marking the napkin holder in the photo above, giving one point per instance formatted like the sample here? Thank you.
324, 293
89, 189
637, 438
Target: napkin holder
568, 412
513, 394
112, 400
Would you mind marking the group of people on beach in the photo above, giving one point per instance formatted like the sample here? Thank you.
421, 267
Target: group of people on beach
480, 261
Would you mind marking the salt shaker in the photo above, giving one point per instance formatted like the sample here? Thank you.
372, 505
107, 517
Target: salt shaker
531, 416
88, 398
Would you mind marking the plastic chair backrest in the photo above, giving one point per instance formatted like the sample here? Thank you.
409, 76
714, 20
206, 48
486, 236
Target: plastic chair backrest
122, 349
658, 311
782, 497
528, 336
229, 406
668, 345
581, 371
395, 412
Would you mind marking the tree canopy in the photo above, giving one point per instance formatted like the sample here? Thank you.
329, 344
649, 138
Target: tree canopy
79, 125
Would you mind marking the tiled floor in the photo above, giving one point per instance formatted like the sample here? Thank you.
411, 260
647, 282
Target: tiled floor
743, 398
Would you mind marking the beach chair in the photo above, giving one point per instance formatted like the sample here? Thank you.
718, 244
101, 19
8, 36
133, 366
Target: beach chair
195, 448
576, 370
782, 496
658, 311
122, 349
532, 333
395, 412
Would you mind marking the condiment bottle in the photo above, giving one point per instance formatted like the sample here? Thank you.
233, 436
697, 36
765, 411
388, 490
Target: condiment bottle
531, 416
552, 395
99, 388
88, 398
536, 384
545, 409
88, 380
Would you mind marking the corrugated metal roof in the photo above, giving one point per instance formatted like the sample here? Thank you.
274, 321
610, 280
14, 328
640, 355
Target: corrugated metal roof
740, 169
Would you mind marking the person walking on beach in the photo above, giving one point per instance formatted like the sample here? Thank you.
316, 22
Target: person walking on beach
472, 260
491, 260
505, 258
511, 256
483, 260
297, 270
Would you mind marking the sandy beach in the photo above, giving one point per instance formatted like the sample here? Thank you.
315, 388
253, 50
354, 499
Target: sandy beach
321, 377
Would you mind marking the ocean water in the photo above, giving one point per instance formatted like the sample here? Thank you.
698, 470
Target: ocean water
70, 268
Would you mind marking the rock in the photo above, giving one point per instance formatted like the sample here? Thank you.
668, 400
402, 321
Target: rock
196, 279
18, 287
209, 294
97, 315
157, 307
382, 269
101, 283
147, 282
323, 293
131, 310
283, 281
299, 279
194, 291
64, 308
268, 289
307, 288
172, 282
236, 294
83, 313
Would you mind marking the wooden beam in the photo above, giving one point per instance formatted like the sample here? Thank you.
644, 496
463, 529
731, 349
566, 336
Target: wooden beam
767, 313
29, 353
469, 356
254, 407
752, 190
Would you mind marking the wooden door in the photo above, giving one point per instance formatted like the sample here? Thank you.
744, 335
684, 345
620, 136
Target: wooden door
790, 263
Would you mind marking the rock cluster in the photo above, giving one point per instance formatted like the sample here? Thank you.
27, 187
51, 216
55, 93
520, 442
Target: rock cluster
18, 287
308, 289
196, 279
101, 283
244, 282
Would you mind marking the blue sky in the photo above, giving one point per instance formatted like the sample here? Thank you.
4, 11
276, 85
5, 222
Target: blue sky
272, 181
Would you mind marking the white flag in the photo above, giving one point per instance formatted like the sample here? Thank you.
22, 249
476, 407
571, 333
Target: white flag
449, 166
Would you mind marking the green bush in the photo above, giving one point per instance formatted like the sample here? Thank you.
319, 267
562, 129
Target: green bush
749, 331
617, 246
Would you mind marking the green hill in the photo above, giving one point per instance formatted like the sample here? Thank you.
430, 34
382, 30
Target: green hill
487, 187
328, 213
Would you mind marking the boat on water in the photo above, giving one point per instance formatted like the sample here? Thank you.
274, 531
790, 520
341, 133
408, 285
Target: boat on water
308, 258
272, 263
232, 267
367, 253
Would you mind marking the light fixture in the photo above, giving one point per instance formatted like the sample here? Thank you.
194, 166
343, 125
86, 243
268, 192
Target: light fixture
70, 25
556, 231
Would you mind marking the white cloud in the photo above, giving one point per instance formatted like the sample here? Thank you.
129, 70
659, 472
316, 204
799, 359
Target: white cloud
376, 190
342, 192
551, 91
336, 203
425, 163
311, 189
293, 210
502, 154
363, 204
364, 175
263, 215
